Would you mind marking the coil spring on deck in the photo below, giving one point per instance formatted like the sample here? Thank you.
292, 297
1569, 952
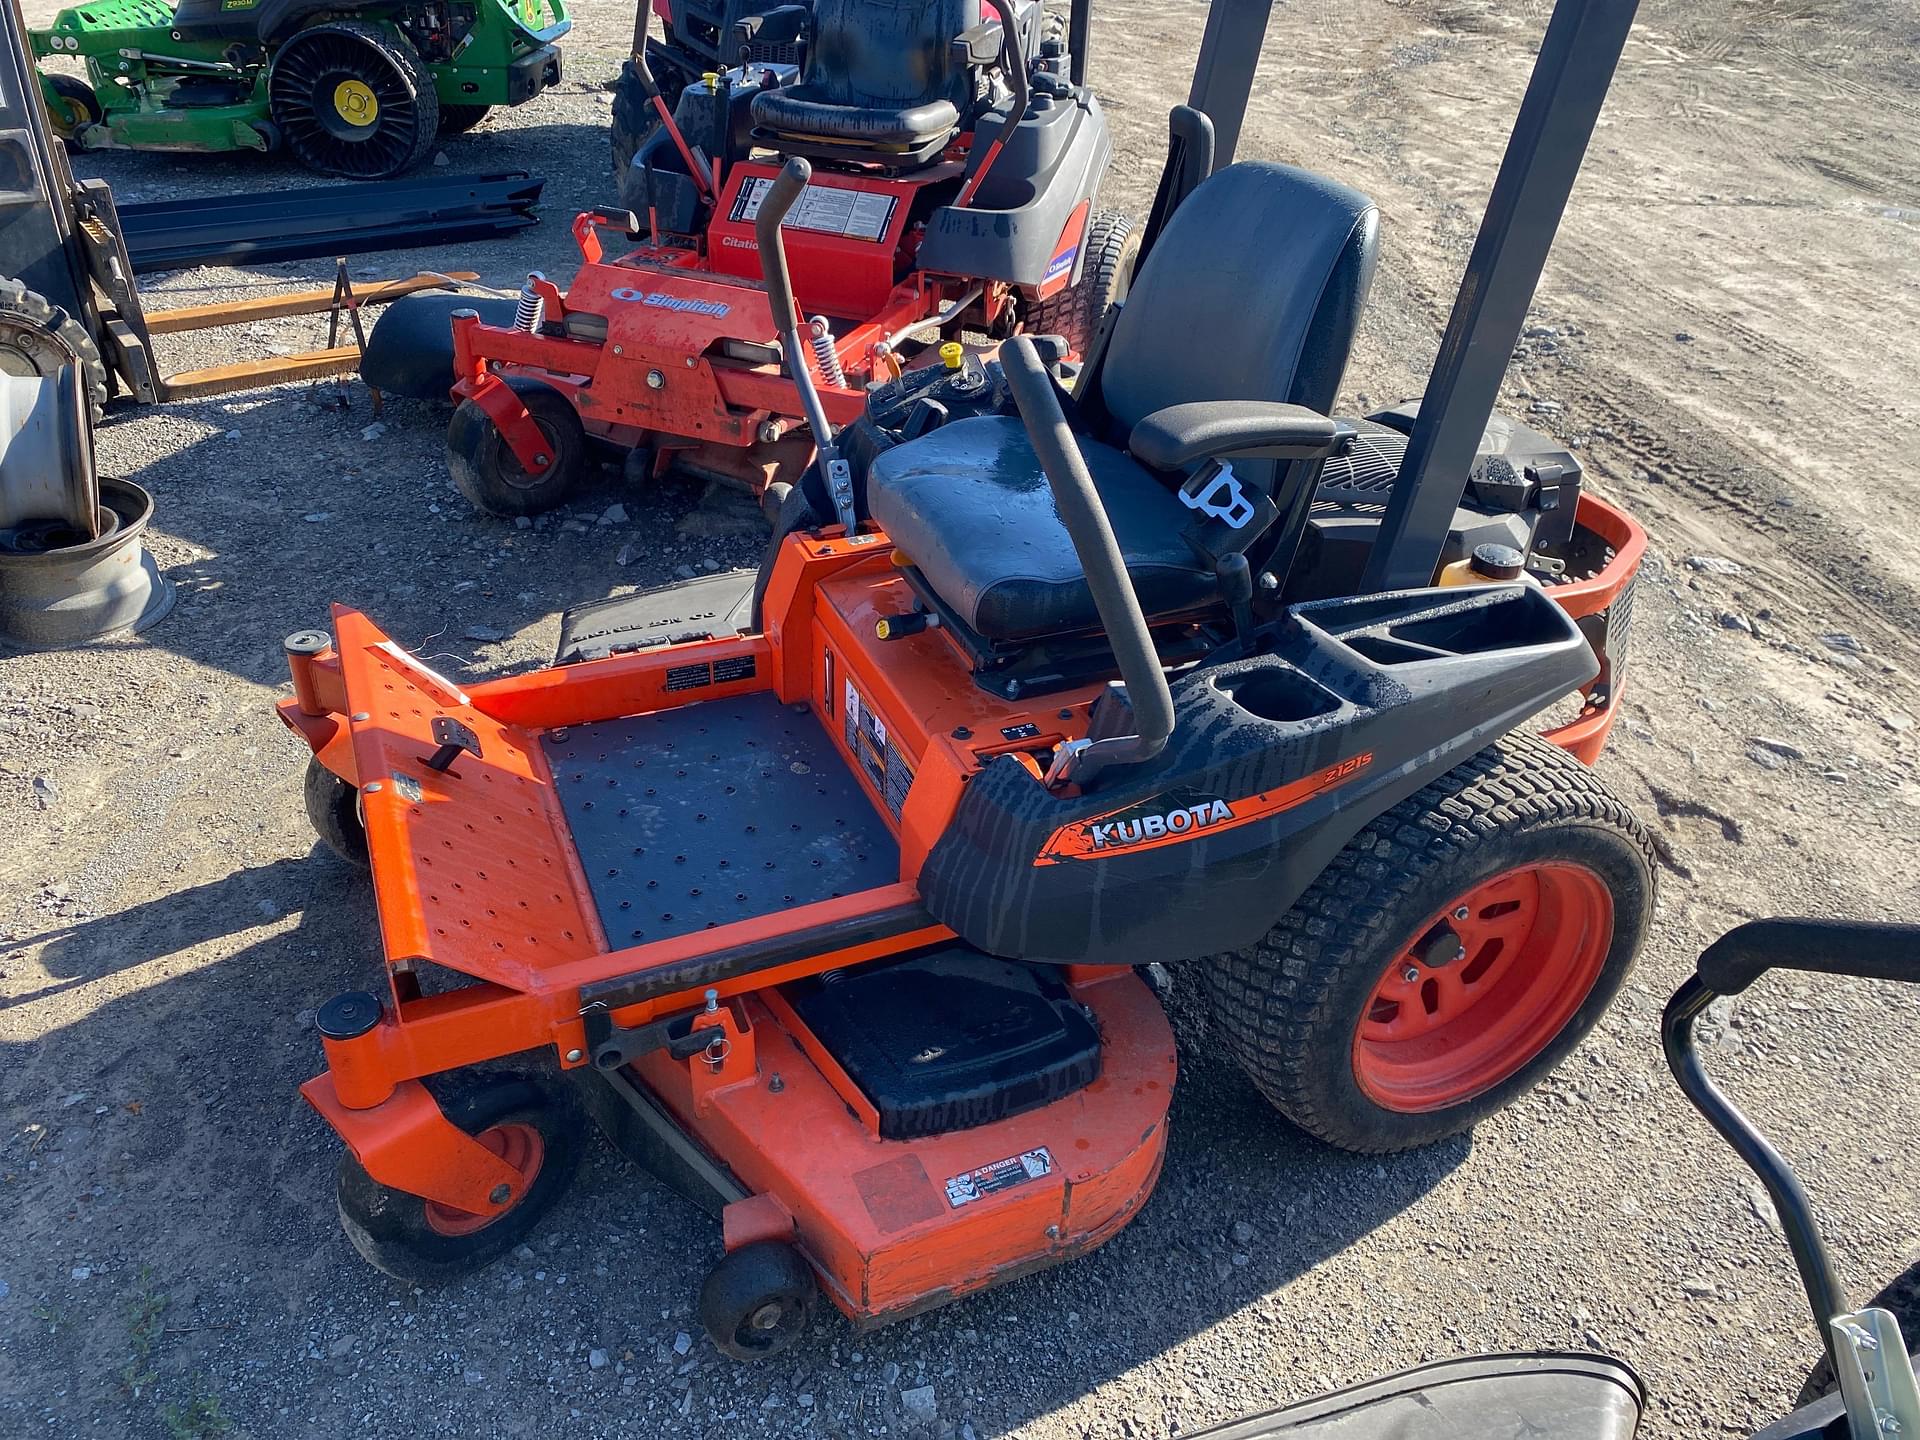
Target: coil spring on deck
532, 308
822, 336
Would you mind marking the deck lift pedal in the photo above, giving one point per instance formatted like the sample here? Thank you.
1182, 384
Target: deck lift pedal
837, 912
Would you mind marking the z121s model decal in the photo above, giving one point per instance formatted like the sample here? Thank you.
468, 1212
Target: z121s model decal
1181, 815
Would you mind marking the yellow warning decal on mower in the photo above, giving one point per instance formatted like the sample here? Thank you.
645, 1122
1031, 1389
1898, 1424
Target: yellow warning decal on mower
1180, 815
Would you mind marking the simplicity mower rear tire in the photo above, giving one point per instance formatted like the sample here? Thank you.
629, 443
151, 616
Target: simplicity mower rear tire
756, 1302
1449, 957
538, 1128
334, 808
354, 99
1113, 245
488, 473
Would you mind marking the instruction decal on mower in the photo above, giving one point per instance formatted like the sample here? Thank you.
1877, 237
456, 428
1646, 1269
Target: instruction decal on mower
1181, 815
879, 758
985, 1180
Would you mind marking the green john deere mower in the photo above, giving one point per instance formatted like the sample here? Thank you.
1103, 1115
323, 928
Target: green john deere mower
361, 90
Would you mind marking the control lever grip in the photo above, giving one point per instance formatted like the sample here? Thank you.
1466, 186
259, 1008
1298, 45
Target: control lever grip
774, 205
1865, 949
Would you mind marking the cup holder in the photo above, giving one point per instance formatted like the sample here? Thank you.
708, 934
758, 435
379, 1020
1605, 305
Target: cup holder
1278, 693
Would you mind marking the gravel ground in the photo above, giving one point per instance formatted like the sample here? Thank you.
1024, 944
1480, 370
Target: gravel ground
1728, 329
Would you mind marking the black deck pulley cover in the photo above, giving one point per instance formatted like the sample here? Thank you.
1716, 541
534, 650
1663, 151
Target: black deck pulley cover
951, 1039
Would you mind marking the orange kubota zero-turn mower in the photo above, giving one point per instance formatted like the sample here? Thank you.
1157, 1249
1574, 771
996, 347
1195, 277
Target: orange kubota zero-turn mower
841, 890
957, 164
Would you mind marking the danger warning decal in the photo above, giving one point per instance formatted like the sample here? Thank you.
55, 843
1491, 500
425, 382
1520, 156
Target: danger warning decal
1180, 815
985, 1180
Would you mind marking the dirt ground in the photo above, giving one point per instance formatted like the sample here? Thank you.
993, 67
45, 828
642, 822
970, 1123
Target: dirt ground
1729, 329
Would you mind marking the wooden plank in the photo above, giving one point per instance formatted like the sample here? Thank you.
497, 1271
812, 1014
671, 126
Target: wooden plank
299, 302
252, 374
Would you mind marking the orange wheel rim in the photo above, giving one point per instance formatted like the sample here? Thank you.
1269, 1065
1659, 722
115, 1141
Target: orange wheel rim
1483, 987
522, 1148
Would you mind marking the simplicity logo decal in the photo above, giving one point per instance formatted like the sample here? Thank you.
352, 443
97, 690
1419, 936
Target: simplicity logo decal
655, 300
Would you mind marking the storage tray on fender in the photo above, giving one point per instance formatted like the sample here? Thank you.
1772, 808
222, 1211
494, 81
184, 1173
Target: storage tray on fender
712, 813
951, 1039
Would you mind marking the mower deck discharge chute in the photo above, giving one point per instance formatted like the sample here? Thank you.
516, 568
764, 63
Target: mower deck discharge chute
841, 889
957, 156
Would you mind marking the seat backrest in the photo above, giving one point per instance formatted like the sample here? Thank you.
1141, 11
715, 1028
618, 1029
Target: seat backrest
889, 53
1252, 292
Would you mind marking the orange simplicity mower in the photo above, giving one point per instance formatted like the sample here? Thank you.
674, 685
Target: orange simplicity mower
841, 893
958, 160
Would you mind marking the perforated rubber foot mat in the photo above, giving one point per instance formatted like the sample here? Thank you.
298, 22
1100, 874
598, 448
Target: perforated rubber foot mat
713, 813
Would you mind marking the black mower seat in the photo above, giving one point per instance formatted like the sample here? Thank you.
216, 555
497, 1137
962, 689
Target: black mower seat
975, 514
1252, 292
880, 77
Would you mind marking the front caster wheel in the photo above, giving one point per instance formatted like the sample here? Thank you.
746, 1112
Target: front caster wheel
334, 808
491, 476
535, 1127
757, 1301
1449, 957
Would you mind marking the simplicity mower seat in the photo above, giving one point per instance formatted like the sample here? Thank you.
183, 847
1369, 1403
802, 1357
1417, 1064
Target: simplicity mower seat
881, 78
976, 514
969, 504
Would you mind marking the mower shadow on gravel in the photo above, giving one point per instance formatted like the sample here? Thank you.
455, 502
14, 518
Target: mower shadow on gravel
193, 1069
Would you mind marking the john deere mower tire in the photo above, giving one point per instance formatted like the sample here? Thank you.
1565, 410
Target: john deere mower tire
334, 808
1448, 958
354, 99
1113, 245
72, 106
537, 1128
488, 473
459, 119
37, 337
756, 1302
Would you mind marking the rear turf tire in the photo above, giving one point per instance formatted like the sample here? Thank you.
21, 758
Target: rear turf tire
334, 808
1113, 246
459, 119
354, 99
537, 1125
1297, 1009
485, 469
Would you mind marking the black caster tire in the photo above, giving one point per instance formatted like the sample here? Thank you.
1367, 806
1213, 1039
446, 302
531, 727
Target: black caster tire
334, 808
1113, 247
72, 106
37, 337
758, 1300
485, 469
459, 119
1448, 958
536, 1127
353, 99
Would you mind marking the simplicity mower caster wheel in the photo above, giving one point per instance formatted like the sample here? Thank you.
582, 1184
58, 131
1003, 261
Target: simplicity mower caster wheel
536, 1128
485, 468
334, 808
756, 1302
1449, 957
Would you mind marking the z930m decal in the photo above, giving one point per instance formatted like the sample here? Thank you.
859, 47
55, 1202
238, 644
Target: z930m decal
1180, 815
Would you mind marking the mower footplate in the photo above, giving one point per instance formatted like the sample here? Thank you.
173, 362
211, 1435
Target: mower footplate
697, 817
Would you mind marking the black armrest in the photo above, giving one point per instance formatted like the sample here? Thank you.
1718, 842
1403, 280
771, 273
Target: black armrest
1174, 437
980, 46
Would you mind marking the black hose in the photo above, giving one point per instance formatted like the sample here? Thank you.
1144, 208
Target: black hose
1085, 517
